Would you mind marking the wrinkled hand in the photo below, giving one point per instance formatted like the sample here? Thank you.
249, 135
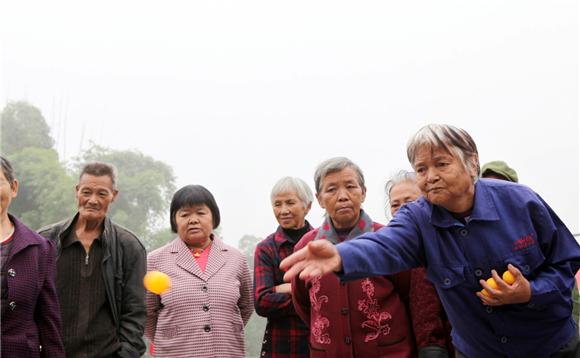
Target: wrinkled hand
317, 258
518, 292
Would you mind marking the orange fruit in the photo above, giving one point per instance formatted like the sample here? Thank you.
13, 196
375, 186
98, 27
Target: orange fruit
508, 278
491, 282
157, 282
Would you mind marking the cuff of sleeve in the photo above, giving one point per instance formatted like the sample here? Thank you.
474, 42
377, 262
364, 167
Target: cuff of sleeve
537, 300
348, 265
344, 258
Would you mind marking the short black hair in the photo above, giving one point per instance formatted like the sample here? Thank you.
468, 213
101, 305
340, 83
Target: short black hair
191, 195
7, 171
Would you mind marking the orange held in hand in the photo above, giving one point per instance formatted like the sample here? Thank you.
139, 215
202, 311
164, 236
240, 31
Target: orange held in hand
491, 282
157, 282
508, 278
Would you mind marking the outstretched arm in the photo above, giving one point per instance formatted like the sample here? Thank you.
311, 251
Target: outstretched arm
317, 258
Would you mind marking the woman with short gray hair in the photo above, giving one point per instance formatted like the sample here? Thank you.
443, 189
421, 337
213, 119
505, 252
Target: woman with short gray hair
334, 165
363, 318
285, 335
465, 231
430, 324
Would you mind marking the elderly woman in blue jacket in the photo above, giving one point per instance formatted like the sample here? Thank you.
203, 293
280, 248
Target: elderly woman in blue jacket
464, 231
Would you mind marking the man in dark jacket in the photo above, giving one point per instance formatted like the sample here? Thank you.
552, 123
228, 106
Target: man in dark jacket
100, 269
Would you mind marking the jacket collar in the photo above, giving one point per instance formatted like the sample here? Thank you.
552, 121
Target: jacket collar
69, 225
23, 236
484, 209
328, 232
280, 237
186, 261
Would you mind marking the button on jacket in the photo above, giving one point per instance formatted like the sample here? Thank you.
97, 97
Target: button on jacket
509, 224
32, 318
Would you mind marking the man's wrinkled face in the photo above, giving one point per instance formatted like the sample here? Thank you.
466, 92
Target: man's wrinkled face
94, 195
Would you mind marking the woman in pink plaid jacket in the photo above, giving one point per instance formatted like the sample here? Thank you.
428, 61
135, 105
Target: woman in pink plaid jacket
204, 312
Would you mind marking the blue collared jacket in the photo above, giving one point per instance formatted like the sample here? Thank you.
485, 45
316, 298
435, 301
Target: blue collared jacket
509, 224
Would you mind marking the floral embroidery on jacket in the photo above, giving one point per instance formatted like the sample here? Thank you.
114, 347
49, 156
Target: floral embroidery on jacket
320, 323
376, 321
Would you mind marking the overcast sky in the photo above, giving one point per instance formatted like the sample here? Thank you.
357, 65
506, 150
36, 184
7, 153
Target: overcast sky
236, 94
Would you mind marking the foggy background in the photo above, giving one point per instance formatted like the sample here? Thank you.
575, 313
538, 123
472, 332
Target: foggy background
236, 94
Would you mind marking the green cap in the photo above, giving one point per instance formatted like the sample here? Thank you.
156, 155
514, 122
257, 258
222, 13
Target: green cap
499, 167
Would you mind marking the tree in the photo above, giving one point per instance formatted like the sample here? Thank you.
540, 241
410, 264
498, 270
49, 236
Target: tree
22, 126
146, 187
47, 186
46, 193
46, 189
247, 245
158, 238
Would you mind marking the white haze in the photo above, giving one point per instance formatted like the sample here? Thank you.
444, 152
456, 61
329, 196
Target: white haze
236, 94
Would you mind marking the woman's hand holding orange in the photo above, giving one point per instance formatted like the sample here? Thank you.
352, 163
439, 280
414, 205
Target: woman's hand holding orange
518, 292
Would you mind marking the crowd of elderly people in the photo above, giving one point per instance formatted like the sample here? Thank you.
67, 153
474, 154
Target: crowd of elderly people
350, 287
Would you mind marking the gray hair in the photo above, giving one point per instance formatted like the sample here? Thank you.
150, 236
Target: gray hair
334, 165
99, 169
296, 185
455, 141
400, 177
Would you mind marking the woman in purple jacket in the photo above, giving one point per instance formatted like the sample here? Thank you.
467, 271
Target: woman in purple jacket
30, 314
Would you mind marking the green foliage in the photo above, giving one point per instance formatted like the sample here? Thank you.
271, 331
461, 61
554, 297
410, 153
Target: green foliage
158, 239
254, 330
247, 245
22, 126
145, 190
46, 193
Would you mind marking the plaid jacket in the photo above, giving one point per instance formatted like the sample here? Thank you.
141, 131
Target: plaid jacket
285, 335
203, 314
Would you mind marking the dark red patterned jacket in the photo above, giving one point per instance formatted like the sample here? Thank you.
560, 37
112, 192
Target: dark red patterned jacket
361, 318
